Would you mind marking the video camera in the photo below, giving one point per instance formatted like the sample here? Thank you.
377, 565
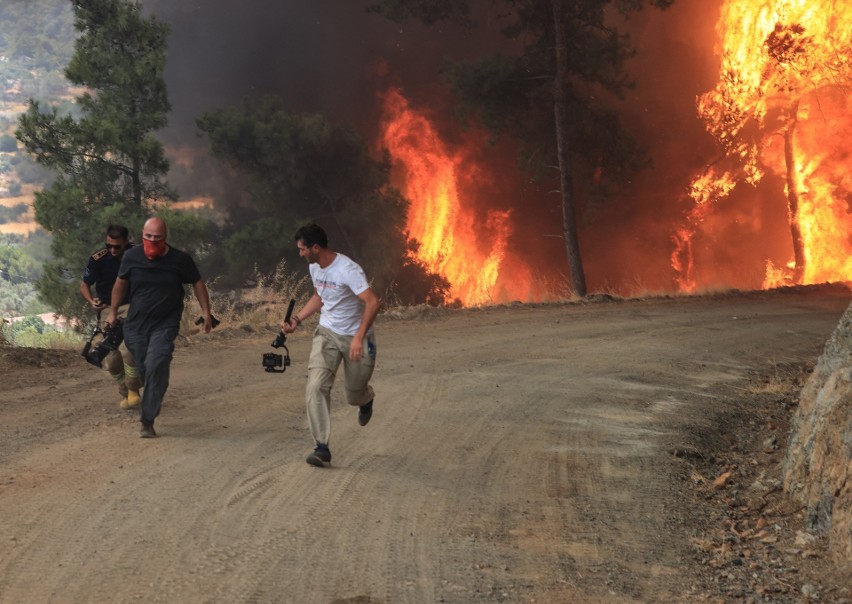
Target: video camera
272, 361
113, 336
213, 320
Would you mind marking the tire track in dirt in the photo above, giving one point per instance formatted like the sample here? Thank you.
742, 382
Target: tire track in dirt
349, 536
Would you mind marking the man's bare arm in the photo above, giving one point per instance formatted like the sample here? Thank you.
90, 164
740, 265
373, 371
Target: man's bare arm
311, 307
119, 291
203, 297
86, 292
372, 304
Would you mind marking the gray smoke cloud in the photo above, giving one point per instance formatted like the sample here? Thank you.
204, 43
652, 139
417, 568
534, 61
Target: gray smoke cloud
319, 55
325, 56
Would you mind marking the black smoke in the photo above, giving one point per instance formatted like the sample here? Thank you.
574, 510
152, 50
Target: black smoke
324, 56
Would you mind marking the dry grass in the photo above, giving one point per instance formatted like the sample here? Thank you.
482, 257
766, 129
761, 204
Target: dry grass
261, 306
779, 380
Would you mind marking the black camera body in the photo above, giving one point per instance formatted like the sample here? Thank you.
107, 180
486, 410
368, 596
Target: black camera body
214, 321
113, 336
272, 361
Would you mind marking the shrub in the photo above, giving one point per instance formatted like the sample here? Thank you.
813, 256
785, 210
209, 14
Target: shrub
261, 306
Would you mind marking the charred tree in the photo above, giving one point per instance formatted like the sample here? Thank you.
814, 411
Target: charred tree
793, 196
556, 93
566, 189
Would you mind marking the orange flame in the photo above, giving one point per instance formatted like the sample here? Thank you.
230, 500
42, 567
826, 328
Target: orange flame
455, 241
782, 107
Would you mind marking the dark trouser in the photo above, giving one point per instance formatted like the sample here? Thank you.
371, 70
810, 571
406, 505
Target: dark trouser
153, 354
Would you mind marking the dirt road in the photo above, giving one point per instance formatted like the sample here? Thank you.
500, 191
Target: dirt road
516, 454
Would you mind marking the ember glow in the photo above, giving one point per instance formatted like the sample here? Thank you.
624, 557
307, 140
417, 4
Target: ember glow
469, 247
782, 107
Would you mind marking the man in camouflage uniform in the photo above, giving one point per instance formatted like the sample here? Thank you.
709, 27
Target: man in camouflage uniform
101, 271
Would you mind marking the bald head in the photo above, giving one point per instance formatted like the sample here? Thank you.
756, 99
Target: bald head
155, 229
154, 238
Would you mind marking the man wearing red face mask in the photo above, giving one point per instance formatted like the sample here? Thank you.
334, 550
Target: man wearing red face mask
154, 275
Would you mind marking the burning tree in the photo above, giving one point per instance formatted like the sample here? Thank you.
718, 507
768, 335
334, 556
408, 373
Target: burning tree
782, 100
549, 93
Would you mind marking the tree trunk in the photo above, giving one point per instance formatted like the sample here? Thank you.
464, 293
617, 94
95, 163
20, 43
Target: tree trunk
560, 109
137, 182
793, 197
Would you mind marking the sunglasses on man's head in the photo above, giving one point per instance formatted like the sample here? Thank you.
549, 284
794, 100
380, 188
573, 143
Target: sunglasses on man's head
114, 246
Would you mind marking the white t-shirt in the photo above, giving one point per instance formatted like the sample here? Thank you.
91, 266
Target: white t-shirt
338, 285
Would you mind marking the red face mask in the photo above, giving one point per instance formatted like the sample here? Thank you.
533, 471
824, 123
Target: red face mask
154, 249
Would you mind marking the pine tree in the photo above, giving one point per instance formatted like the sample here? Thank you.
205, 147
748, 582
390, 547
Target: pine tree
548, 93
109, 165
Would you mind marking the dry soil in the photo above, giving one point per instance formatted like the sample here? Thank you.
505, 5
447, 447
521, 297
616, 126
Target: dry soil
603, 451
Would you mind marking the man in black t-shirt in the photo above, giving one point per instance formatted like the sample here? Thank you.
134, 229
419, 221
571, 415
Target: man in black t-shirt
101, 271
153, 275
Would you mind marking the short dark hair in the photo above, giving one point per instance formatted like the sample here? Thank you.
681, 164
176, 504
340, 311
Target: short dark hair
117, 231
312, 234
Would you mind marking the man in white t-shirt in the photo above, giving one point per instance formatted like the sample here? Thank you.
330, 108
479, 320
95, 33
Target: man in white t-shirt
349, 307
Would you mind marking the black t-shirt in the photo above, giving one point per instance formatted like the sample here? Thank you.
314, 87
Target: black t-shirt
156, 288
101, 271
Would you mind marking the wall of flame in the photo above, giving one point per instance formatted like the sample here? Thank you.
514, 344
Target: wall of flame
468, 245
786, 71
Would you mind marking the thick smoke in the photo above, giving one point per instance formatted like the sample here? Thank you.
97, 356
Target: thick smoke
333, 57
329, 57
317, 56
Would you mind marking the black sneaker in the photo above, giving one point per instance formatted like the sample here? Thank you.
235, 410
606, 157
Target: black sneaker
320, 456
147, 431
365, 412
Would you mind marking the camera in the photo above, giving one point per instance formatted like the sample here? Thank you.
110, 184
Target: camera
272, 361
113, 336
215, 322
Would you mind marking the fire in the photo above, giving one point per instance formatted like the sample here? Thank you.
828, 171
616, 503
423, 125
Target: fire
196, 203
782, 107
456, 241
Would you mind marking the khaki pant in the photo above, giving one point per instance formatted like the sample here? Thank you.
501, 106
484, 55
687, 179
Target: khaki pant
328, 350
121, 365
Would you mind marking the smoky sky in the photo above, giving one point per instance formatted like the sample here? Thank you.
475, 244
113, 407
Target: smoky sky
332, 56
318, 55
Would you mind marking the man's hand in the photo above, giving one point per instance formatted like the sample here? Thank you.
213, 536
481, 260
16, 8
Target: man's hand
356, 349
203, 297
110, 320
97, 304
289, 326
312, 306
